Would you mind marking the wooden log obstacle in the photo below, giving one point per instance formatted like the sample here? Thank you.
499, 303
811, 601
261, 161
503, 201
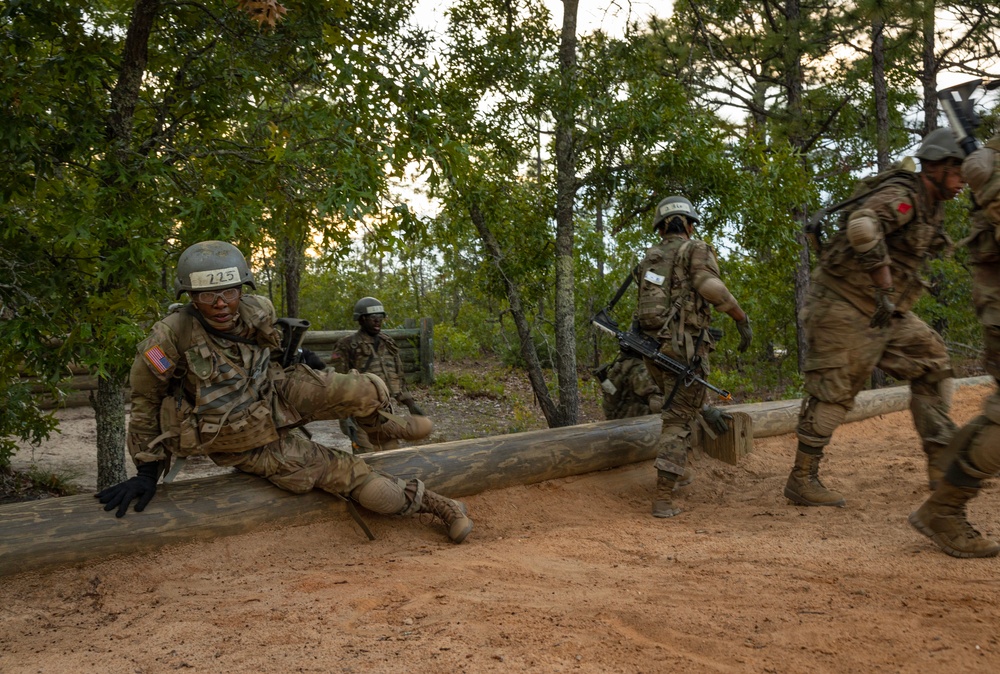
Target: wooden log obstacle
37, 535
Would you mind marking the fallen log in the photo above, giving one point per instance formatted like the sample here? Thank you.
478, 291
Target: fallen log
37, 535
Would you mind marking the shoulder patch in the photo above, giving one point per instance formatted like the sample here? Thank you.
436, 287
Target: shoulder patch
157, 359
904, 207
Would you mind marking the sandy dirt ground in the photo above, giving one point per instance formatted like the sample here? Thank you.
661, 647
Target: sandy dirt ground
571, 575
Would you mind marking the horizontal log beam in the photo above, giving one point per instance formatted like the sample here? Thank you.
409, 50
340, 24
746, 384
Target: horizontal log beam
41, 534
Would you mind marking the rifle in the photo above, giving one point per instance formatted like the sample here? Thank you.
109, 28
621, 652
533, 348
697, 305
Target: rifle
293, 330
643, 345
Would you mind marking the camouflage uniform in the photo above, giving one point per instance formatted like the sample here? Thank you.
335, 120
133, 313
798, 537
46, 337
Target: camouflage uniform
629, 391
205, 383
843, 348
976, 446
378, 355
679, 284
195, 394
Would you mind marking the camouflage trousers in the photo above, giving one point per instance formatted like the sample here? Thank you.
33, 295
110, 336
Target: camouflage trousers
679, 418
294, 462
977, 444
842, 351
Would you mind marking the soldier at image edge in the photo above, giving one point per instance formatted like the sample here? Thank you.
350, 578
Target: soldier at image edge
207, 382
371, 350
976, 446
858, 313
679, 283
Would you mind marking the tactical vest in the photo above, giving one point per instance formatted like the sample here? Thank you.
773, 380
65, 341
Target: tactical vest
839, 255
222, 398
365, 358
668, 306
908, 246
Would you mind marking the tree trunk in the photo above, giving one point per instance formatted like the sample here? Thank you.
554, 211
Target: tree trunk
37, 535
599, 229
878, 377
797, 138
109, 400
292, 258
928, 76
109, 412
566, 186
881, 96
528, 352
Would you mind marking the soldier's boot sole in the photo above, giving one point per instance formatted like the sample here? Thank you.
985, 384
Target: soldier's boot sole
921, 520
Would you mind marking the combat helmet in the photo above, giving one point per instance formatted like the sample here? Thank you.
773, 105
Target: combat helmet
674, 206
938, 145
367, 306
211, 265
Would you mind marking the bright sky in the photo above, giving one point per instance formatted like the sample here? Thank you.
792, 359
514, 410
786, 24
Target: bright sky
608, 15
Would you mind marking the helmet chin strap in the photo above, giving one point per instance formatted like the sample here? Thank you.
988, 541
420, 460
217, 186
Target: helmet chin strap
225, 326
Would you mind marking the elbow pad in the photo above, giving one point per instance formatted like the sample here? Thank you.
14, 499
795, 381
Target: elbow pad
980, 171
863, 231
715, 291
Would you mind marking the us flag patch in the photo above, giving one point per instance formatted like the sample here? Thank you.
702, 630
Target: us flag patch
158, 359
904, 208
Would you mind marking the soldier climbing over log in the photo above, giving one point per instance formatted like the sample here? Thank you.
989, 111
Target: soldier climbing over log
207, 381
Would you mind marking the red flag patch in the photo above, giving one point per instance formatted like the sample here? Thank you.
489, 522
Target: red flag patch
904, 208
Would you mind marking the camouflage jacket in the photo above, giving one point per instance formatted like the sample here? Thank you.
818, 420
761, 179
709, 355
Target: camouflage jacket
912, 232
378, 355
195, 393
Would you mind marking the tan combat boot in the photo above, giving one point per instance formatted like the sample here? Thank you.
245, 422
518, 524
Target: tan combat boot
663, 503
452, 513
942, 519
803, 486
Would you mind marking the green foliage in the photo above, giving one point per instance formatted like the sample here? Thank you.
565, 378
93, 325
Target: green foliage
266, 139
474, 386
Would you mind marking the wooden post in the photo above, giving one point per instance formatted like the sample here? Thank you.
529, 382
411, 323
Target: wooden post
426, 351
733, 445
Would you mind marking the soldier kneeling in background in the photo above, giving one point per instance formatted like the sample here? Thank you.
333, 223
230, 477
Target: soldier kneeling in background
369, 350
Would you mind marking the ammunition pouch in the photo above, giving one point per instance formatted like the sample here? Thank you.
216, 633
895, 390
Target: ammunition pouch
185, 434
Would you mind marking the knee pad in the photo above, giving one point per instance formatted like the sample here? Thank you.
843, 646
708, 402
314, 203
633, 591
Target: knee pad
930, 400
980, 453
818, 420
389, 495
991, 359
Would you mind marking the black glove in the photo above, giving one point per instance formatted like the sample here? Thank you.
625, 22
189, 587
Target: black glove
746, 334
884, 307
716, 418
311, 359
141, 487
406, 398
